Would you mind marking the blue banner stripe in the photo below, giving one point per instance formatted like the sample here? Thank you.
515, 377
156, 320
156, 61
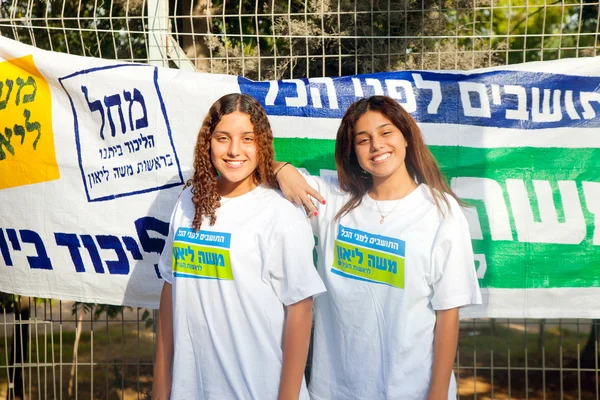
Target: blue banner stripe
504, 99
371, 241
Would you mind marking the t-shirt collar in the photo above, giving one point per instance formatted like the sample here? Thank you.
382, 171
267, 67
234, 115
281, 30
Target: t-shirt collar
407, 203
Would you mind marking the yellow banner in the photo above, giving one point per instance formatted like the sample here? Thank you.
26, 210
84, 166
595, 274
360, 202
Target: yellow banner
27, 153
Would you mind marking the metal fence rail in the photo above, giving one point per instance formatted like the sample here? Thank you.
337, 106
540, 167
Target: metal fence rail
53, 349
42, 356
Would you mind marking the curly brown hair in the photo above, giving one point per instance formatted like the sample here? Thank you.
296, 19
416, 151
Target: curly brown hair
205, 195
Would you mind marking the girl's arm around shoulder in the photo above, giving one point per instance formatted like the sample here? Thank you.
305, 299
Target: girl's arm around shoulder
303, 189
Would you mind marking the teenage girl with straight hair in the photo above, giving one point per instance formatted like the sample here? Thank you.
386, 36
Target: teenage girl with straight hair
395, 254
236, 306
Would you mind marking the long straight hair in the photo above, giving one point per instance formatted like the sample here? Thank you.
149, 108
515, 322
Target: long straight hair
420, 163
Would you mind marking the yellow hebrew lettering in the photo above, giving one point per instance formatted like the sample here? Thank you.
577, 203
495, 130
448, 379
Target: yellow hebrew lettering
27, 153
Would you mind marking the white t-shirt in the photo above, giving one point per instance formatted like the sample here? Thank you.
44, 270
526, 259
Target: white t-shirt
374, 328
231, 282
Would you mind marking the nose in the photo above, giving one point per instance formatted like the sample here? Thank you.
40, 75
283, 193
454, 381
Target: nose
376, 143
234, 148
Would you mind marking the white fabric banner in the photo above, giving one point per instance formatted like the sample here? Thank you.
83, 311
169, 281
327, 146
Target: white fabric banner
93, 154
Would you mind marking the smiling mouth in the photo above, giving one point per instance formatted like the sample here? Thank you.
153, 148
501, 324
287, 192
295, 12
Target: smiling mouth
381, 157
234, 164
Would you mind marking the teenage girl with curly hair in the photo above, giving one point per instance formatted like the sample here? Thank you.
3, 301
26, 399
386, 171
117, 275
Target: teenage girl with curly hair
236, 306
395, 255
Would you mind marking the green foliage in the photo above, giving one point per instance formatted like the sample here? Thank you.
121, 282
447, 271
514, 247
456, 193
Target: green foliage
534, 30
77, 27
11, 302
303, 39
149, 322
111, 311
8, 301
289, 39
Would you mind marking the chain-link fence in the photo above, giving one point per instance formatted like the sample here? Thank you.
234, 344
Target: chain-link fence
52, 349
55, 350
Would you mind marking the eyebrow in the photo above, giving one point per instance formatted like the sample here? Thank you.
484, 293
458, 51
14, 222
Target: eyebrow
365, 132
229, 134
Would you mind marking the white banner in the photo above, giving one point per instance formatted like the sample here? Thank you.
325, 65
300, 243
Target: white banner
93, 154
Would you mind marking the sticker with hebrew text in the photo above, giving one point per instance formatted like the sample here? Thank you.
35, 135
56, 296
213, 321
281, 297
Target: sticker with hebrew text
368, 257
201, 255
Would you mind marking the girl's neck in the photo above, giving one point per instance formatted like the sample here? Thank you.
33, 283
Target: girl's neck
392, 189
235, 189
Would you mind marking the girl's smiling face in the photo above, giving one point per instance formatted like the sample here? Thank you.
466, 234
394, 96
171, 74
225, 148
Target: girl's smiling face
233, 153
380, 146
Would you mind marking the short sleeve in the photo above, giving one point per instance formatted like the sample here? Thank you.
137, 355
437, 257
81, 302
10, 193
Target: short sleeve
290, 267
453, 274
165, 266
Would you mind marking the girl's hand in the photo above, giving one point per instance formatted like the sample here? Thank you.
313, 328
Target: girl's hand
295, 188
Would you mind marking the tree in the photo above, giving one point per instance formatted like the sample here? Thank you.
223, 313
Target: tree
281, 39
528, 30
77, 27
79, 310
289, 39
